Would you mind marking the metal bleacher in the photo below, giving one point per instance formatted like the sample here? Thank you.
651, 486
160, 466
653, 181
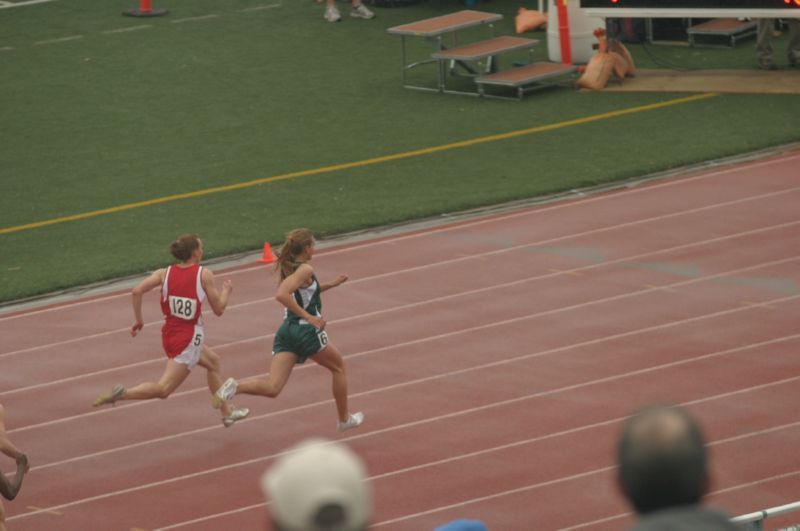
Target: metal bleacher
464, 60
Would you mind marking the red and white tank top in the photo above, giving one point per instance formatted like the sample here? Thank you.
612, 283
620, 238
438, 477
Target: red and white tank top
182, 296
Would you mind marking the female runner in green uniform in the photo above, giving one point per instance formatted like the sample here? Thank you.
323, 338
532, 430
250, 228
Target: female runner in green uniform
302, 334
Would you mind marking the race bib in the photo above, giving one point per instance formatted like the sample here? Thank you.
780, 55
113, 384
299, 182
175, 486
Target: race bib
182, 307
323, 338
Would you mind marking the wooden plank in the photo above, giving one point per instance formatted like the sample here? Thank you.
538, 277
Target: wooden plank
722, 26
527, 74
432, 27
478, 50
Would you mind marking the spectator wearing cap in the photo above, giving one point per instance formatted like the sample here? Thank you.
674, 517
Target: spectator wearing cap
663, 472
318, 485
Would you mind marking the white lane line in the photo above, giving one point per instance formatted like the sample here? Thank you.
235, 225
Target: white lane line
557, 481
449, 374
194, 19
372, 351
372, 434
534, 211
492, 450
5, 5
647, 289
461, 331
125, 30
527, 441
56, 41
479, 255
258, 8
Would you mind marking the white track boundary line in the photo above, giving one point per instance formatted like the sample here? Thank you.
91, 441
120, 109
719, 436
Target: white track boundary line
194, 19
355, 437
439, 377
434, 301
533, 211
59, 40
484, 407
527, 211
258, 8
6, 5
128, 29
561, 480
449, 334
491, 450
475, 256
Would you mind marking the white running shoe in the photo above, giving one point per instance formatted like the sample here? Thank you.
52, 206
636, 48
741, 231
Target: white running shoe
116, 394
236, 414
225, 392
353, 421
361, 11
332, 14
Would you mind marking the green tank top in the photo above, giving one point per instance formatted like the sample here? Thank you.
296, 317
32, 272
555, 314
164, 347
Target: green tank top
308, 298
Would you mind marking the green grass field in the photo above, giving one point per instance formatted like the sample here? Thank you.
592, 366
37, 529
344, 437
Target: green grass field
101, 111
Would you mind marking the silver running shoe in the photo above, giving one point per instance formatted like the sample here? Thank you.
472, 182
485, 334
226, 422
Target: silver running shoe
116, 394
236, 414
361, 11
354, 421
225, 392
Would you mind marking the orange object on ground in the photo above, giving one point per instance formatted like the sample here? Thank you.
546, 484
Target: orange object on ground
529, 20
267, 256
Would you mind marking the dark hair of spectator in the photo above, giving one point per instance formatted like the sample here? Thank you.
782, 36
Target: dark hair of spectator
662, 459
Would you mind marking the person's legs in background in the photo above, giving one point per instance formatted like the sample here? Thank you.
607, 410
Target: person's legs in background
764, 49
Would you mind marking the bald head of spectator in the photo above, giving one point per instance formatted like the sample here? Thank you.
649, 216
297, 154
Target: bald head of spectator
662, 459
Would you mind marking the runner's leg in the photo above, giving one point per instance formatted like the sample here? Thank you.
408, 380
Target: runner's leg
174, 375
209, 360
279, 371
331, 359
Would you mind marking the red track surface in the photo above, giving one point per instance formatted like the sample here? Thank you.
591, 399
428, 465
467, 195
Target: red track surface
494, 360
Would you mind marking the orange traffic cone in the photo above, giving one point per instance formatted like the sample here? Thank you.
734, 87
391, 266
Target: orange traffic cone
145, 10
268, 257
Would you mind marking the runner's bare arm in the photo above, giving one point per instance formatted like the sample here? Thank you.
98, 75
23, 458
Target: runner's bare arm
341, 279
10, 489
153, 281
217, 300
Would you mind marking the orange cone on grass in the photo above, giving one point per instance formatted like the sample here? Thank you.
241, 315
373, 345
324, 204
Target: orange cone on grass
145, 9
267, 257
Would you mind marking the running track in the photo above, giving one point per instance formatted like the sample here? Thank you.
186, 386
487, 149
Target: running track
494, 359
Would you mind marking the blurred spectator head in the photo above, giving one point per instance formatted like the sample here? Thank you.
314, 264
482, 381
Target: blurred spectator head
662, 459
318, 485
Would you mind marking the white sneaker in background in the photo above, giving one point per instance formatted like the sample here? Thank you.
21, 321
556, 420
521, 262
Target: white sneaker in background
332, 14
361, 11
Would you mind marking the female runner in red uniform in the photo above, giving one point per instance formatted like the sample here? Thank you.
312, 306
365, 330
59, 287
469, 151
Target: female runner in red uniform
184, 288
